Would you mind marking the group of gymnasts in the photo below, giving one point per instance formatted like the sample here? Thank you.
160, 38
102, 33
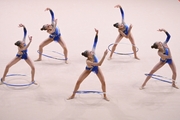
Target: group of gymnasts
91, 61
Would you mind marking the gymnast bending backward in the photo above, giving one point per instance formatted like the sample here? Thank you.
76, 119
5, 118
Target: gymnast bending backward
55, 35
124, 31
165, 57
92, 66
22, 54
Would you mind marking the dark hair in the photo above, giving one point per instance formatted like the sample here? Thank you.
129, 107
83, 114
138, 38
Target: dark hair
17, 43
85, 53
116, 25
154, 46
43, 27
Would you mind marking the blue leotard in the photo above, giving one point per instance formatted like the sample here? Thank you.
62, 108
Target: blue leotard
94, 68
169, 61
126, 31
56, 34
24, 54
126, 27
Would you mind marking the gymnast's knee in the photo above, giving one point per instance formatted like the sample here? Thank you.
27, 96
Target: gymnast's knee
8, 66
174, 73
32, 68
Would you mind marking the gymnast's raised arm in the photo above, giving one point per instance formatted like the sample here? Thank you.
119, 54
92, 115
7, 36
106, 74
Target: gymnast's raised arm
25, 31
95, 40
53, 20
52, 14
122, 12
168, 35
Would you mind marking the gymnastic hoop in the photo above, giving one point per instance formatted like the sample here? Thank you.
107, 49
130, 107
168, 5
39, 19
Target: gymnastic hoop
92, 99
45, 55
89, 91
120, 53
16, 85
160, 78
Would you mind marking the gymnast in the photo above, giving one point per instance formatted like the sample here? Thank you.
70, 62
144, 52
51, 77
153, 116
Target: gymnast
92, 66
55, 35
124, 31
165, 57
22, 54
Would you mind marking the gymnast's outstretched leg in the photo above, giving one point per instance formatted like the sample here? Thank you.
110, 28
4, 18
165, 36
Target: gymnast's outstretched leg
103, 84
173, 68
63, 45
43, 44
118, 39
133, 45
29, 62
156, 67
80, 80
14, 61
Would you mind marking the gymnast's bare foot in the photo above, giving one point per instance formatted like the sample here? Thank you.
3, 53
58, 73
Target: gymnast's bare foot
39, 59
136, 58
109, 58
142, 87
175, 86
105, 98
72, 97
2, 80
34, 82
66, 61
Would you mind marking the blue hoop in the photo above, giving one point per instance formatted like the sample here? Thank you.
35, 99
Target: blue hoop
89, 91
160, 78
137, 49
45, 55
16, 85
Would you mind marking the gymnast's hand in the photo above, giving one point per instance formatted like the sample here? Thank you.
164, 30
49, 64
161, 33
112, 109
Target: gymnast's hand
21, 25
47, 9
55, 20
117, 6
96, 31
160, 30
30, 38
130, 26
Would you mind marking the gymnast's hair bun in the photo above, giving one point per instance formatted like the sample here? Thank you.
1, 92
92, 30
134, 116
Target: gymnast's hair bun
155, 46
85, 53
43, 28
116, 25
17, 43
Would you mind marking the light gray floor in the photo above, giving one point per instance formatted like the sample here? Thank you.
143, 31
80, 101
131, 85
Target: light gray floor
124, 75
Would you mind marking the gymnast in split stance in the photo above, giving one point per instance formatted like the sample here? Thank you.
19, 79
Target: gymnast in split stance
22, 54
165, 57
124, 31
92, 66
55, 35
